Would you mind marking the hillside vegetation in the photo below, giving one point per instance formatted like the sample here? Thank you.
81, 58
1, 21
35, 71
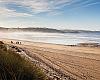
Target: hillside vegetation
14, 67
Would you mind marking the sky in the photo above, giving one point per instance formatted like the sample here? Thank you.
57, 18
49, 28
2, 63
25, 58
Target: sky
57, 14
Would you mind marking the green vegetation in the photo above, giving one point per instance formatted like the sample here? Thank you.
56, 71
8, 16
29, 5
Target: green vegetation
14, 67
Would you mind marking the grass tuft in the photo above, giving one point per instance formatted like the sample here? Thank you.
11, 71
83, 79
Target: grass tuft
14, 67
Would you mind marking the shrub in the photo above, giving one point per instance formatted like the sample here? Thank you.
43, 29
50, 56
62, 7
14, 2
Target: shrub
14, 67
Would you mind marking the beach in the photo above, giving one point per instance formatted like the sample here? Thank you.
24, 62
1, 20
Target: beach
57, 39
80, 63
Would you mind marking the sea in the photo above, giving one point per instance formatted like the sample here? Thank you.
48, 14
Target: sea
55, 38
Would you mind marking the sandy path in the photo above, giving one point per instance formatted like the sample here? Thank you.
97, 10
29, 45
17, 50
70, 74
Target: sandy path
82, 63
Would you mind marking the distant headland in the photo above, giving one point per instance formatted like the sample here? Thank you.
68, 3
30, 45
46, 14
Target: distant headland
49, 30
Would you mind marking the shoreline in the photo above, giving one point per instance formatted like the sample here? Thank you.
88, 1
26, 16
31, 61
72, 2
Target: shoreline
32, 41
26, 41
58, 47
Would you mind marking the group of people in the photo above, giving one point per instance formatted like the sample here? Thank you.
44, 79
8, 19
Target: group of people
16, 42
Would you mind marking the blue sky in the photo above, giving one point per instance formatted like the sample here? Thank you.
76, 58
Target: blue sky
59, 14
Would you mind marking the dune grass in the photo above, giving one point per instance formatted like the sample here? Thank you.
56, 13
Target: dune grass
14, 67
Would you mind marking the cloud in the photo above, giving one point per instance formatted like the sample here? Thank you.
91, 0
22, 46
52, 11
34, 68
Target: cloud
37, 6
40, 6
11, 13
91, 4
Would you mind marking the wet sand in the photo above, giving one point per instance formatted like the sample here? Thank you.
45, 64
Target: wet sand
81, 63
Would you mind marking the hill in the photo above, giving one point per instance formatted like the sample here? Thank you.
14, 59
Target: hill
48, 30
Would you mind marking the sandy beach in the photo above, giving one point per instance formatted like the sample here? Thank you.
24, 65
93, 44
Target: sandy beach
81, 63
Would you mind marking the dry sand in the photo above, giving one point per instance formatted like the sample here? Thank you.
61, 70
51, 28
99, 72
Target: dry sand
82, 63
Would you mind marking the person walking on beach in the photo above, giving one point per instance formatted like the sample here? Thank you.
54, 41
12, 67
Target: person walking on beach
17, 42
11, 41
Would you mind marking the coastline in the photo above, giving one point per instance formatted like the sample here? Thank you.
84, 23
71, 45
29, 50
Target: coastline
82, 63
